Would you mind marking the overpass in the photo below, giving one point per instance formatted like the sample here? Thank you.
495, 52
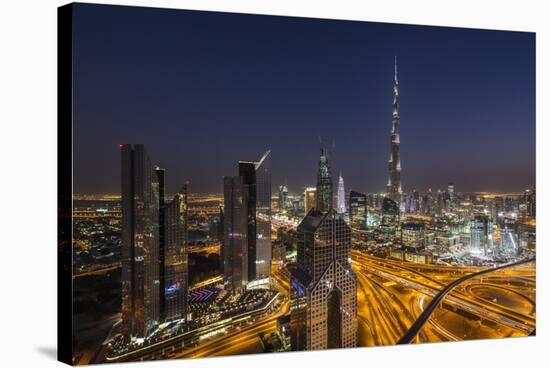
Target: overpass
430, 308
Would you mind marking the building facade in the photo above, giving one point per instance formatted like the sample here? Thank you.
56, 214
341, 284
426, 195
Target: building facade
358, 210
257, 178
140, 244
323, 286
481, 235
394, 188
324, 194
235, 241
175, 259
310, 198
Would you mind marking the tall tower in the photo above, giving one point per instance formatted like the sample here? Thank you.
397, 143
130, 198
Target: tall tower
175, 257
323, 287
324, 183
341, 195
235, 241
394, 164
140, 243
256, 177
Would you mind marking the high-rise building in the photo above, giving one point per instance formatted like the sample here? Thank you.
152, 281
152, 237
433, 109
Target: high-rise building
413, 235
394, 164
235, 241
390, 216
341, 195
358, 210
509, 241
175, 257
310, 198
283, 197
324, 183
161, 188
323, 286
140, 243
481, 235
257, 178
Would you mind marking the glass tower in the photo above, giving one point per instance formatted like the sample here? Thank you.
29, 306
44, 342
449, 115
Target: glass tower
175, 260
257, 178
235, 244
394, 163
140, 243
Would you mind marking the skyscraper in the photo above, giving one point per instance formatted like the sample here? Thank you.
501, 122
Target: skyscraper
161, 188
235, 241
175, 257
324, 183
509, 241
358, 210
140, 243
310, 198
257, 178
390, 215
323, 287
283, 197
481, 235
394, 164
341, 195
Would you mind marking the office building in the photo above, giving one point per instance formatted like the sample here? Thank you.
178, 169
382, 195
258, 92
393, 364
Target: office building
175, 257
481, 235
358, 210
310, 198
140, 244
256, 176
235, 241
324, 183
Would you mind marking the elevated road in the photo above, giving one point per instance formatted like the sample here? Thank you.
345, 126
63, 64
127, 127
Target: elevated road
423, 318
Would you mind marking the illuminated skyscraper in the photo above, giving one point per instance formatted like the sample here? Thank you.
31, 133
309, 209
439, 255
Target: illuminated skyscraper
358, 210
323, 286
140, 244
509, 241
341, 195
161, 188
257, 178
175, 257
481, 235
390, 215
324, 183
235, 241
413, 235
283, 197
394, 164
310, 198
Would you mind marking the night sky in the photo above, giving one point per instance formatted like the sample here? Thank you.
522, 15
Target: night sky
203, 90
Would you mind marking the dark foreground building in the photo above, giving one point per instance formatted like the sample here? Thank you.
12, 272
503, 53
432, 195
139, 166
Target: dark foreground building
323, 306
175, 257
140, 244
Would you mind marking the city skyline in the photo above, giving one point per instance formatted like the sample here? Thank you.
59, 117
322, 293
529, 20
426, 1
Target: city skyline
447, 80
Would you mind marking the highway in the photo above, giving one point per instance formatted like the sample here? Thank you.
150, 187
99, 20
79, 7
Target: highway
421, 320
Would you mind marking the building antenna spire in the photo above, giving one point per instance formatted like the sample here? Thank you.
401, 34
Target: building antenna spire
395, 76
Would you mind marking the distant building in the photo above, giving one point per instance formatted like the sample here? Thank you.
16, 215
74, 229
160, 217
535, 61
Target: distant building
175, 259
390, 215
140, 244
235, 242
358, 210
394, 163
481, 235
413, 235
310, 198
160, 189
341, 195
283, 198
324, 183
509, 241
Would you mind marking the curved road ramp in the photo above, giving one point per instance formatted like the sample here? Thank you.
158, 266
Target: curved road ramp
423, 318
